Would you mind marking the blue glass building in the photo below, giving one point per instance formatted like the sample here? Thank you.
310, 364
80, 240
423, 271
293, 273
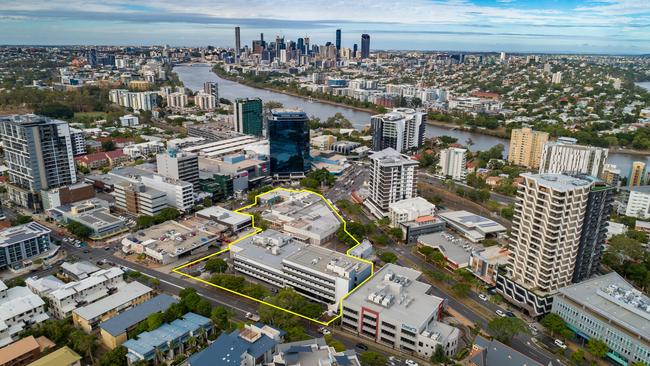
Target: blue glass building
288, 132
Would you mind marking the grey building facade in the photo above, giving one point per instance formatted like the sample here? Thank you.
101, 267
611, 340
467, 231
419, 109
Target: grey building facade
39, 154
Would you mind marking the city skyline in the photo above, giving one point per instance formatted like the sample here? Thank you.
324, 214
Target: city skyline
605, 26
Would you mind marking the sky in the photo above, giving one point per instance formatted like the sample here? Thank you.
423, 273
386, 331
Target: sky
550, 26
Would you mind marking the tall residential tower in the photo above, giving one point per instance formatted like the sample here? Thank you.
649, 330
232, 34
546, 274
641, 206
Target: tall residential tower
402, 129
39, 154
392, 179
557, 236
526, 147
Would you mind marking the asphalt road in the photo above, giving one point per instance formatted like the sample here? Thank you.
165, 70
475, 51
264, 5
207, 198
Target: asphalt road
174, 284
522, 342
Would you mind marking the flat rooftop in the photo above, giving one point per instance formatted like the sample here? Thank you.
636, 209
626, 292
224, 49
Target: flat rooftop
273, 249
172, 238
455, 249
396, 292
303, 210
390, 157
615, 300
558, 182
223, 215
20, 233
326, 261
474, 226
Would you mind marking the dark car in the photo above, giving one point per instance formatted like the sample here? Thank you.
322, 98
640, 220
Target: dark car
361, 346
86, 251
510, 314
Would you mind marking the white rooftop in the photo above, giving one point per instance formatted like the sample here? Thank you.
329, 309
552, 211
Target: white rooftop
395, 292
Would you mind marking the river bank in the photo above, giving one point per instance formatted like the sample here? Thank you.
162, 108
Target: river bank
296, 95
195, 75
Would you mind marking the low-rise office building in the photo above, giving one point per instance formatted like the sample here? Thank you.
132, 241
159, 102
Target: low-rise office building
412, 230
395, 309
18, 244
455, 250
304, 215
93, 214
484, 263
317, 273
409, 210
235, 221
19, 310
472, 226
167, 242
90, 316
65, 195
611, 310
114, 331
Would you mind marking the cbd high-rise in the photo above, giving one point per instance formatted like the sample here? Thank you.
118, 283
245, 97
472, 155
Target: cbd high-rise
288, 133
365, 46
39, 154
249, 116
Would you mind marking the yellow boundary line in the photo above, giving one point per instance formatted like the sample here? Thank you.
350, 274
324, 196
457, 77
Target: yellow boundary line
257, 231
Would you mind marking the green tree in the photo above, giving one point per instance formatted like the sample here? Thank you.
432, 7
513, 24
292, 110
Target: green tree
79, 230
216, 265
221, 317
578, 357
21, 219
554, 323
371, 358
155, 320
115, 357
388, 257
504, 328
207, 202
597, 348
461, 289
439, 355
84, 344
108, 145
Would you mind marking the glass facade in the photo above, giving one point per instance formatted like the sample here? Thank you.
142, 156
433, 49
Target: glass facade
288, 132
248, 116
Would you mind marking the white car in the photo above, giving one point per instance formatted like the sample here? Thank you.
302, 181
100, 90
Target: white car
411, 363
560, 344
324, 331
500, 313
483, 297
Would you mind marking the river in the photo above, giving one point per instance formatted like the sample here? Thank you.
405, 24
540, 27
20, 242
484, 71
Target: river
193, 76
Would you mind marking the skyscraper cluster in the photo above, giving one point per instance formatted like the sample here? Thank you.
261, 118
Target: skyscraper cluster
288, 50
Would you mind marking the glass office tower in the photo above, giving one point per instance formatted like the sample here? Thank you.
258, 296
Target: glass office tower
288, 132
248, 116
